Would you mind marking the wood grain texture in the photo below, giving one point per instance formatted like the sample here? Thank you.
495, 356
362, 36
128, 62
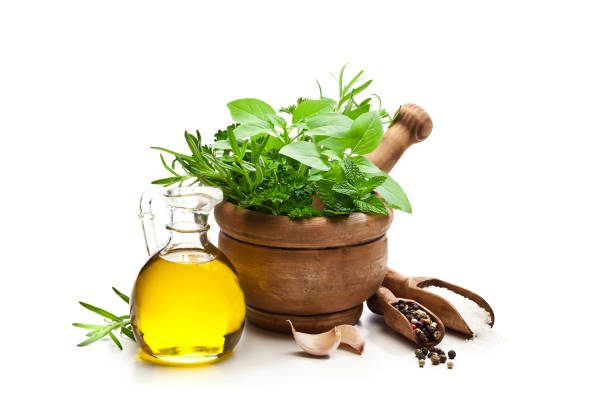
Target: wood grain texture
316, 232
307, 281
411, 125
382, 303
306, 324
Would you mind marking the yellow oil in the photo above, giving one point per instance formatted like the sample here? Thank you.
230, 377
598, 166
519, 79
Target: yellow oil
187, 306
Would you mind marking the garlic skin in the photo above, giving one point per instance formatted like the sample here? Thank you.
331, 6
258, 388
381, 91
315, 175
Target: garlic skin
351, 336
317, 344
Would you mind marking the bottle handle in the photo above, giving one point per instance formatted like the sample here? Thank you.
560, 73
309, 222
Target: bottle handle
146, 218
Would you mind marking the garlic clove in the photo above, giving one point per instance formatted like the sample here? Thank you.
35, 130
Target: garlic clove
352, 336
317, 344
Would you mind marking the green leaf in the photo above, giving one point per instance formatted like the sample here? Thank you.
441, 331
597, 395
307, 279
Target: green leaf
88, 326
115, 340
278, 121
354, 92
101, 312
248, 130
94, 338
305, 152
372, 183
346, 189
371, 204
365, 133
330, 198
249, 110
352, 173
358, 111
331, 154
312, 107
394, 195
128, 332
222, 145
125, 298
390, 190
328, 124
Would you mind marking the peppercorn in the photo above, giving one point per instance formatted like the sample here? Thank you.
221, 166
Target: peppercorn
452, 354
450, 364
442, 358
421, 363
435, 359
419, 354
437, 335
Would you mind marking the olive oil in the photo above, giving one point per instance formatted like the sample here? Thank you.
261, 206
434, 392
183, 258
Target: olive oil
187, 306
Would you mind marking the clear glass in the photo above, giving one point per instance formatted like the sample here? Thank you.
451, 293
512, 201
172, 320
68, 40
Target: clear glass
187, 305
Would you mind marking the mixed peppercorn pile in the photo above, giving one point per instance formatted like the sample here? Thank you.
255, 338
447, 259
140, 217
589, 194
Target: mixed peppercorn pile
436, 355
425, 329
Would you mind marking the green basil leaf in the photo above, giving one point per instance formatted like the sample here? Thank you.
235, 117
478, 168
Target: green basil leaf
328, 124
365, 133
305, 152
248, 130
312, 107
278, 121
250, 110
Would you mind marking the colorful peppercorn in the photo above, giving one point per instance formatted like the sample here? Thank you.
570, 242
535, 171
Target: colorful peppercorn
452, 354
435, 359
450, 364
421, 363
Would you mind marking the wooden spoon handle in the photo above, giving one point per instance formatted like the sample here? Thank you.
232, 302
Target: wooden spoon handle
411, 125
380, 300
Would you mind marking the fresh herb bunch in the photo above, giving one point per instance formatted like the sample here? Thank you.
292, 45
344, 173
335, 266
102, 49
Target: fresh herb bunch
113, 322
263, 163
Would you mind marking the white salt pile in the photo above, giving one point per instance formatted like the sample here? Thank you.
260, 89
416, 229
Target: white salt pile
476, 317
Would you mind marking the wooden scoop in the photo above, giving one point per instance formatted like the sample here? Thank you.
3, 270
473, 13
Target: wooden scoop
410, 287
382, 303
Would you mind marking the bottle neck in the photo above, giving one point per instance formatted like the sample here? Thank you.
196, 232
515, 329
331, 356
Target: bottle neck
187, 229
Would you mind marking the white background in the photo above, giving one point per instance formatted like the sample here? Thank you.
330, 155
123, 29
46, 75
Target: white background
511, 192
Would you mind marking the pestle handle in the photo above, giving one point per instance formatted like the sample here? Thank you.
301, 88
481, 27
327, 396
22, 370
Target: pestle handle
411, 125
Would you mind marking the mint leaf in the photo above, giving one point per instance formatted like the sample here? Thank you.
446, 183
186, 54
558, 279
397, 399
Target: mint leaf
371, 204
305, 152
312, 107
346, 189
335, 201
370, 184
250, 110
352, 173
393, 194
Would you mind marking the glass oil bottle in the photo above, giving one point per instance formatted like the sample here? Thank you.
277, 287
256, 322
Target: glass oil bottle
187, 305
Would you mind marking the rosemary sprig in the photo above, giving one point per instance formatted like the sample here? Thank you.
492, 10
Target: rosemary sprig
113, 322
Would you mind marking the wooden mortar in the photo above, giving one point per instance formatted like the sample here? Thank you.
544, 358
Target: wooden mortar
316, 272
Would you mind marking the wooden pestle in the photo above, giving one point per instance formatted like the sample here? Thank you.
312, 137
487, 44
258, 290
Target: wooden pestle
382, 303
411, 125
